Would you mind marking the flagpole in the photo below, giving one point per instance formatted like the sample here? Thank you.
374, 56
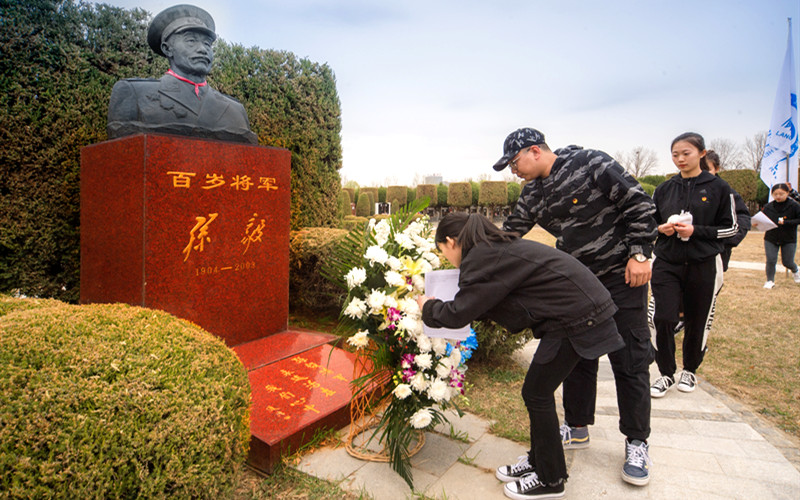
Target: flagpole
788, 161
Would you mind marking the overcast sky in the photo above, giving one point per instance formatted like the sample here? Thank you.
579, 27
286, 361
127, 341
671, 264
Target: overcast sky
433, 87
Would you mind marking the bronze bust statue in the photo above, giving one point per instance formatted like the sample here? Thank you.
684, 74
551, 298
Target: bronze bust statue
180, 102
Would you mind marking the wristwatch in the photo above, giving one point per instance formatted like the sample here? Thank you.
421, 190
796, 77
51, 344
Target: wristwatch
637, 253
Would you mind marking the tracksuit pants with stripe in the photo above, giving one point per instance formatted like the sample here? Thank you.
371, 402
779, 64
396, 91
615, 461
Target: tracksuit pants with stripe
695, 286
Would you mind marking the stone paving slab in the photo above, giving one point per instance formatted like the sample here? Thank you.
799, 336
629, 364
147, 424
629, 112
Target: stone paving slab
703, 445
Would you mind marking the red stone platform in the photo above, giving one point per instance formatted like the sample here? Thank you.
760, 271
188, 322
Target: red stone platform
194, 227
299, 384
200, 229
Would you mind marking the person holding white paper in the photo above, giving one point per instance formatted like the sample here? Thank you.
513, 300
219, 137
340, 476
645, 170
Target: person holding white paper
524, 284
785, 213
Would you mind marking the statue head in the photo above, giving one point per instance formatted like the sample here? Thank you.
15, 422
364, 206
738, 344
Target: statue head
184, 34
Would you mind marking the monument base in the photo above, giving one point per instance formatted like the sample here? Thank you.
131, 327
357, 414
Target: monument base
299, 384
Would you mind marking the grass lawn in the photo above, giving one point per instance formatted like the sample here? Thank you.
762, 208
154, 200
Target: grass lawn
753, 356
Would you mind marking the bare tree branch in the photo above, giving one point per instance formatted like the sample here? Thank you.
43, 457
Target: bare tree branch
730, 157
638, 162
753, 150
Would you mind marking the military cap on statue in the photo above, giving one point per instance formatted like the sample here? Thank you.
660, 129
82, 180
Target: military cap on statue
180, 102
176, 19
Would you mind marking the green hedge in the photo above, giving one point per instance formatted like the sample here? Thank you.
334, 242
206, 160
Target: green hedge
514, 190
308, 290
58, 63
745, 182
373, 195
399, 194
653, 180
344, 205
442, 193
476, 192
351, 192
493, 193
648, 188
351, 222
362, 207
459, 194
427, 191
113, 401
494, 341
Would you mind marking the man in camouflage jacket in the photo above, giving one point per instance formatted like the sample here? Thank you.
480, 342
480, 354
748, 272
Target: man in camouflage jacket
600, 215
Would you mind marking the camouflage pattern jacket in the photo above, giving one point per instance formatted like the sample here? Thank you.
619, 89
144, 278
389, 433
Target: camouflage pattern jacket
596, 210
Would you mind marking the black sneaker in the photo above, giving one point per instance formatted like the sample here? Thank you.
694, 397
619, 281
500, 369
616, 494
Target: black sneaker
678, 328
687, 382
637, 463
509, 473
530, 487
661, 386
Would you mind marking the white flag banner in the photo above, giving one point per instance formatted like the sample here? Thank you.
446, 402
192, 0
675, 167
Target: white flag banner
782, 137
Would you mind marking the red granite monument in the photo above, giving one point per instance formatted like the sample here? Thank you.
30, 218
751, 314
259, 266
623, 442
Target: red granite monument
200, 228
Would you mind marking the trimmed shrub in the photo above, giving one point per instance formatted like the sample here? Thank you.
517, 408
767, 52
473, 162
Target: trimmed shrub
427, 191
374, 197
351, 222
308, 290
411, 196
745, 182
653, 180
362, 207
10, 304
494, 341
476, 192
514, 189
459, 194
648, 188
398, 194
344, 204
762, 193
351, 192
441, 195
493, 193
381, 194
114, 401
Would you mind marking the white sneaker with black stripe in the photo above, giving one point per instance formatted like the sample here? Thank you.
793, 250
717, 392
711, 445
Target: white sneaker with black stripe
687, 382
510, 473
661, 386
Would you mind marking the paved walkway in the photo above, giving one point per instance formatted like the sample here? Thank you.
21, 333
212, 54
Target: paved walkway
703, 444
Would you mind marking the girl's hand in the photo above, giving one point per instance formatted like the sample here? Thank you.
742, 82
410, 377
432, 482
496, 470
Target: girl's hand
421, 301
684, 230
667, 229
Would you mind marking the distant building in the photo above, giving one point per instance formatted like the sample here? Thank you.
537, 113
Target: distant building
435, 179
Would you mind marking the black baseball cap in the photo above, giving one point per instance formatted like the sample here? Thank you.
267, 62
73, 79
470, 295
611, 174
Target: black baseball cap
516, 142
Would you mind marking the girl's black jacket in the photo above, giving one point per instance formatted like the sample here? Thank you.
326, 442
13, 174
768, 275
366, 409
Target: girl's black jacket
711, 201
787, 232
524, 284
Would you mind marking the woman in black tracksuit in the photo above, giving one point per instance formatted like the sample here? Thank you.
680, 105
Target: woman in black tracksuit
523, 284
785, 213
695, 212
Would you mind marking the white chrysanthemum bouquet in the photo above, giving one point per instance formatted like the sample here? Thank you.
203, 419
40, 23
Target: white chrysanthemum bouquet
383, 267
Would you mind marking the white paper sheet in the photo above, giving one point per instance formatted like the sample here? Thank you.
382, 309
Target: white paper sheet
443, 285
760, 222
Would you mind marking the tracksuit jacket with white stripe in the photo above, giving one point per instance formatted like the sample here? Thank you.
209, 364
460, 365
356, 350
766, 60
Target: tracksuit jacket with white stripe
712, 204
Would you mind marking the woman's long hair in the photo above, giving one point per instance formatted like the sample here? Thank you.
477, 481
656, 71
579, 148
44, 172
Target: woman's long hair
469, 230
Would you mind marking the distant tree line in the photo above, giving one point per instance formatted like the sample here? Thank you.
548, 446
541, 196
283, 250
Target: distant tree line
455, 195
